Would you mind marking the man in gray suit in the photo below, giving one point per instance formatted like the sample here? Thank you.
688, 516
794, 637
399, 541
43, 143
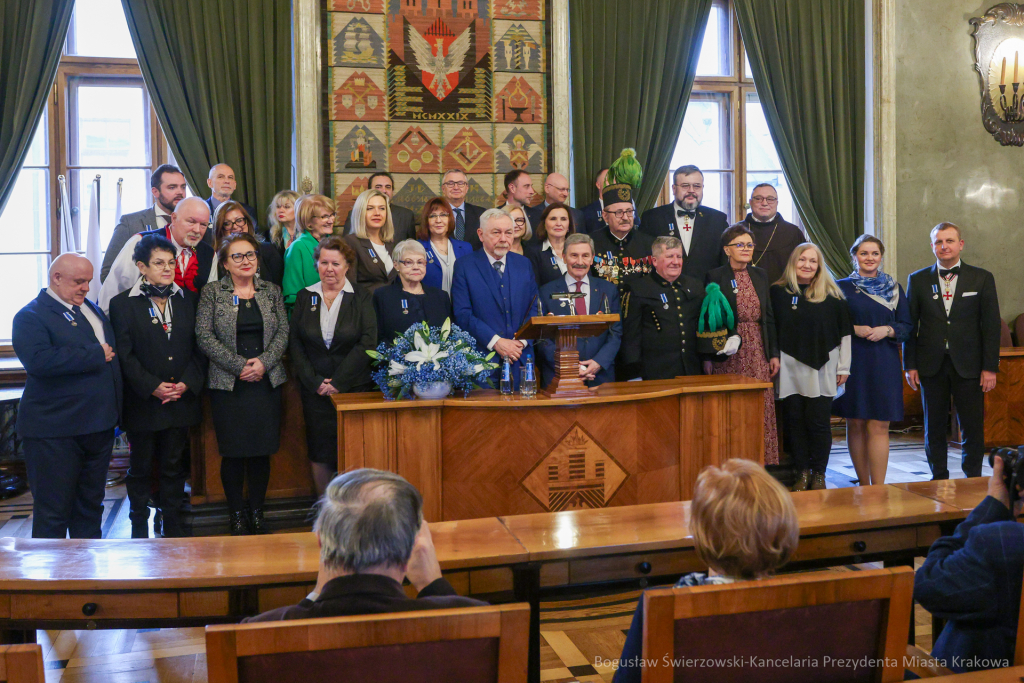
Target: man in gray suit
222, 184
168, 187
404, 220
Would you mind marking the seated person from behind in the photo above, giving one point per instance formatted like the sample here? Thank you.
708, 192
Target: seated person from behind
744, 528
372, 535
973, 579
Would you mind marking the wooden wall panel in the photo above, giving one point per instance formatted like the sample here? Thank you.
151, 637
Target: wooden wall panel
418, 452
1004, 405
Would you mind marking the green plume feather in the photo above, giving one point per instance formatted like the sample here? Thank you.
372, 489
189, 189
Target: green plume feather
717, 309
626, 169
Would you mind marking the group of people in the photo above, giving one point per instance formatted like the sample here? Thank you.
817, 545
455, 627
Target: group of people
198, 305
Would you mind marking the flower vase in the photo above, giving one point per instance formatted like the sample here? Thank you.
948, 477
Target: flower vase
431, 390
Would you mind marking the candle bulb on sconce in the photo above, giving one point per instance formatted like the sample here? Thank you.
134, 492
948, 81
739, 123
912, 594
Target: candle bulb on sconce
1002, 77
1015, 81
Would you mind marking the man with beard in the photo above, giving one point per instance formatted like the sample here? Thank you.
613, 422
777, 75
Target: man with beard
774, 238
195, 263
167, 185
698, 228
621, 251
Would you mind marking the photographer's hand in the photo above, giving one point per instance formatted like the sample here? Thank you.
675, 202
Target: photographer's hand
996, 485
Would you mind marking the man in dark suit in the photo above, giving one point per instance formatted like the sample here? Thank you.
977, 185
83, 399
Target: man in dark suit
168, 187
593, 214
494, 291
372, 536
597, 354
556, 190
155, 324
222, 184
659, 319
195, 265
699, 228
953, 350
454, 187
403, 220
775, 238
622, 251
71, 403
973, 579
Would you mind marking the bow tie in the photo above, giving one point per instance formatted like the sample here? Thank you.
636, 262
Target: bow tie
684, 212
952, 272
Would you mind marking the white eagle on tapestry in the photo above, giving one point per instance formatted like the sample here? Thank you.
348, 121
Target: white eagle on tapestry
442, 67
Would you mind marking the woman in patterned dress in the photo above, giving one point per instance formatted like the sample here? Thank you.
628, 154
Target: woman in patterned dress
747, 289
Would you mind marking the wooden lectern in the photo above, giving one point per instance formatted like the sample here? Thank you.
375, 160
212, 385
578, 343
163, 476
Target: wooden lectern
565, 330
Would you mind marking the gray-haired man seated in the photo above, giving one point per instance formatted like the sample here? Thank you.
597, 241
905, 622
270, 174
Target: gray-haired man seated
372, 535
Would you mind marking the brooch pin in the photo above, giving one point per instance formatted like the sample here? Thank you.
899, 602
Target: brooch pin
664, 300
405, 307
315, 301
71, 319
795, 299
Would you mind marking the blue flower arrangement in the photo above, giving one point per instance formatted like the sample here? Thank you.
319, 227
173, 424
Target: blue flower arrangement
425, 355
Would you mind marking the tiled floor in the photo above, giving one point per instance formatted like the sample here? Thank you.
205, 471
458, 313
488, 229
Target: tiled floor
578, 636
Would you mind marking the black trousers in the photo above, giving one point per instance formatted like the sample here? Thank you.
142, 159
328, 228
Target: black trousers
807, 422
233, 474
969, 400
166, 447
68, 478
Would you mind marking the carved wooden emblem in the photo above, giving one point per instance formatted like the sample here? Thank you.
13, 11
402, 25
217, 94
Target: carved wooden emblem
999, 61
576, 473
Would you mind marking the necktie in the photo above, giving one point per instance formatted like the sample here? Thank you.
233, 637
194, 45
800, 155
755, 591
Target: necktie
581, 302
951, 273
460, 224
684, 212
499, 267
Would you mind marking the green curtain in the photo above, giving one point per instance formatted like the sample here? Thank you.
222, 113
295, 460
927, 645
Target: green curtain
32, 35
632, 68
220, 76
807, 59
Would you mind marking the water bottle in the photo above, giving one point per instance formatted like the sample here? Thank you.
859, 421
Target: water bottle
506, 378
528, 380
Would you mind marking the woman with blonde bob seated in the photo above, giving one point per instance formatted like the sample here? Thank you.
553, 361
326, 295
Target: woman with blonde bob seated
744, 528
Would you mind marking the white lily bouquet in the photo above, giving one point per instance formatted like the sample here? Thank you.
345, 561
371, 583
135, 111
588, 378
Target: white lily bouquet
425, 359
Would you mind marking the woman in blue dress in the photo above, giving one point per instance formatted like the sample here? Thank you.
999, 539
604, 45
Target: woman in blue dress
874, 392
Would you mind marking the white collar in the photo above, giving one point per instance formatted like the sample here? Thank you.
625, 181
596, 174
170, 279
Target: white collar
160, 210
137, 289
56, 298
493, 260
318, 288
459, 207
942, 267
571, 281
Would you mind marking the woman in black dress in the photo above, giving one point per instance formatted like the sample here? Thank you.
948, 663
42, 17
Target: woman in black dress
333, 325
407, 300
242, 328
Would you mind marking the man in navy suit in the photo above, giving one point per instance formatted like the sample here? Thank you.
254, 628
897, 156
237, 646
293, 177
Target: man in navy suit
494, 291
973, 579
698, 227
597, 354
454, 188
71, 403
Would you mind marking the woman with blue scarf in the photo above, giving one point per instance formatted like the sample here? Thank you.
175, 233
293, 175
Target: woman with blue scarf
874, 392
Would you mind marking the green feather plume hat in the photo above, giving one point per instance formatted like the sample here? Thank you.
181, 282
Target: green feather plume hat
716, 321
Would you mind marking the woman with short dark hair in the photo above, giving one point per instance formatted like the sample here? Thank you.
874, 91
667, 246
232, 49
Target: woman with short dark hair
333, 325
874, 394
155, 325
242, 328
231, 219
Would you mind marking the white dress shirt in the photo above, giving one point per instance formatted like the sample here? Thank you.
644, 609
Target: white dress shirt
570, 282
546, 246
94, 321
124, 273
947, 287
684, 226
329, 316
447, 264
162, 217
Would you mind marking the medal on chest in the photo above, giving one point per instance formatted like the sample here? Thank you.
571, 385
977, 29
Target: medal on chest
735, 287
935, 291
405, 307
71, 319
373, 254
664, 301
315, 300
795, 300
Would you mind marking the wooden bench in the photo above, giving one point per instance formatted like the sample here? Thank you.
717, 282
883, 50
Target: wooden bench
75, 584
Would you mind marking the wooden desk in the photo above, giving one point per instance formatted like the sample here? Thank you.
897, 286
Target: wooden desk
486, 455
963, 494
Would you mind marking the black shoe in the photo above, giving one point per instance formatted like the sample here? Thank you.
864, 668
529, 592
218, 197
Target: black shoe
239, 524
140, 530
259, 523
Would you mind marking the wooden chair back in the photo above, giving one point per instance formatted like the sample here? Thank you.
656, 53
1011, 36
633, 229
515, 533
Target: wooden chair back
1005, 337
21, 664
726, 633
1018, 329
472, 644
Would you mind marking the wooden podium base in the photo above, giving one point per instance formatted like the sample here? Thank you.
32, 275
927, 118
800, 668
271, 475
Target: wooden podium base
567, 381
